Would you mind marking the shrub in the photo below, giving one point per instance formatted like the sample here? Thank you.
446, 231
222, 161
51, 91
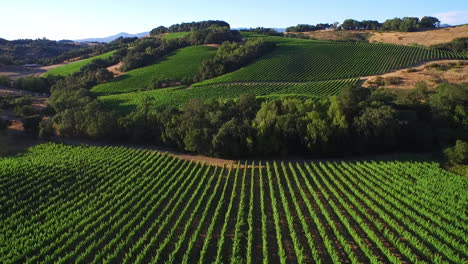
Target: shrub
5, 81
32, 84
31, 124
46, 129
4, 123
393, 80
377, 81
24, 110
457, 154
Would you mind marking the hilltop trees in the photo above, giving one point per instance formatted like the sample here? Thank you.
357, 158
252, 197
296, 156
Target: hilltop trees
159, 30
407, 24
183, 27
429, 22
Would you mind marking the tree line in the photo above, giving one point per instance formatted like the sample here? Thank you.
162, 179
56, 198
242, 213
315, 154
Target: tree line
358, 121
184, 27
405, 24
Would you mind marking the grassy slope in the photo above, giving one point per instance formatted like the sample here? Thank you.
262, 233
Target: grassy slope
182, 63
175, 35
177, 96
297, 60
76, 66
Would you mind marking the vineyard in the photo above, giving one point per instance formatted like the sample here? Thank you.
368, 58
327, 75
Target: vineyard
179, 95
297, 60
64, 204
73, 67
181, 64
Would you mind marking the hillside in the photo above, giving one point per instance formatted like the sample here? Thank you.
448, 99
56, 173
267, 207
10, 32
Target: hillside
175, 67
73, 67
298, 60
425, 38
39, 51
177, 96
296, 67
114, 204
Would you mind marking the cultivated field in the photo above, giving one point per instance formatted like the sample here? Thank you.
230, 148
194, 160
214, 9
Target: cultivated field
297, 60
175, 67
177, 96
63, 204
297, 67
73, 67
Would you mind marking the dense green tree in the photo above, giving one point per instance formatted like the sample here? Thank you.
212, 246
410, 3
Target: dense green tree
409, 24
31, 124
457, 154
350, 24
429, 22
159, 30
376, 127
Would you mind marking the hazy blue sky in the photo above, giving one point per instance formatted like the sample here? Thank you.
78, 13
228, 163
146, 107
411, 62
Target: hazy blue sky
65, 19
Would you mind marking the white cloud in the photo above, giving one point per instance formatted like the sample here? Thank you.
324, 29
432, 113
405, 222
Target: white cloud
453, 17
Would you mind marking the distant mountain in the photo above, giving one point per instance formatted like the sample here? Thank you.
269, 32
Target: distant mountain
111, 38
445, 25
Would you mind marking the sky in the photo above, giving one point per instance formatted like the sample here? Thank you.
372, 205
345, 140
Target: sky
69, 19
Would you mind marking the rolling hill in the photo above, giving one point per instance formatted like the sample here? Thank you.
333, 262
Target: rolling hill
426, 38
297, 60
76, 66
297, 67
175, 67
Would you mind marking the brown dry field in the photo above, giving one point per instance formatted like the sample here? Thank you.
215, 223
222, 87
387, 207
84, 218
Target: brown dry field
430, 75
426, 38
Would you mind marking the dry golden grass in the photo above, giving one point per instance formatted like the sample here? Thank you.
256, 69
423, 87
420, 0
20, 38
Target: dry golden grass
409, 77
426, 38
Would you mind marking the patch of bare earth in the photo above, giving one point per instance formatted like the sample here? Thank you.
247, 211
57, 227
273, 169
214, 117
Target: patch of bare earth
115, 69
410, 76
212, 45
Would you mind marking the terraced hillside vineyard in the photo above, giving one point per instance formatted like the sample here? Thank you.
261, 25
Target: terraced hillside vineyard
298, 60
179, 65
179, 95
73, 67
64, 204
